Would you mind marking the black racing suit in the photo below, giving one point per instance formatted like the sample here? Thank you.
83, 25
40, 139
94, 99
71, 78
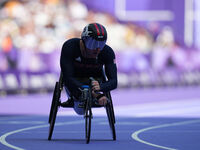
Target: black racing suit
74, 66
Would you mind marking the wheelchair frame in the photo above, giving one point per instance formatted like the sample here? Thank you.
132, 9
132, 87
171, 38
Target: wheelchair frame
56, 101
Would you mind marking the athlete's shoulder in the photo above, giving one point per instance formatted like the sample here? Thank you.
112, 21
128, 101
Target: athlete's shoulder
71, 47
72, 41
107, 50
107, 55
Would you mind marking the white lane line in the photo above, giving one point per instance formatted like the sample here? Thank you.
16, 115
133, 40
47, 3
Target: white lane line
127, 123
3, 137
13, 117
136, 134
22, 122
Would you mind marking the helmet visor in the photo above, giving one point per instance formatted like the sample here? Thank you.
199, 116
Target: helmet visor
93, 44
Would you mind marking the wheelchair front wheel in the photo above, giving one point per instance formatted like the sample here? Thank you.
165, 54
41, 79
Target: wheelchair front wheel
88, 118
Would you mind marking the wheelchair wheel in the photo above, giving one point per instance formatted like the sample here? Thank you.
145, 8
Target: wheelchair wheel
54, 109
111, 106
88, 119
53, 102
111, 120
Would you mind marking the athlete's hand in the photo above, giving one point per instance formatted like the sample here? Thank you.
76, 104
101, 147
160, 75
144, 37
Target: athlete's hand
103, 101
94, 94
95, 86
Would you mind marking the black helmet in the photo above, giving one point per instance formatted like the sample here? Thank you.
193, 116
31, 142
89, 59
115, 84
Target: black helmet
94, 36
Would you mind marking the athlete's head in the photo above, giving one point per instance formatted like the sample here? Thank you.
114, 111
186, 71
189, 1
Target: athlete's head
94, 37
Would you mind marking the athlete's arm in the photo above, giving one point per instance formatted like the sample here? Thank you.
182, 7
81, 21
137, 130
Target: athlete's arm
66, 63
110, 71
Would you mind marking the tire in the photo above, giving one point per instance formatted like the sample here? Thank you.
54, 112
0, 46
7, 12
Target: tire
111, 120
53, 102
111, 106
88, 118
54, 109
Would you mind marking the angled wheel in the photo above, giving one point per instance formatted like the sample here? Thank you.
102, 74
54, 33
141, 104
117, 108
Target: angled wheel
111, 120
88, 118
53, 102
54, 109
111, 106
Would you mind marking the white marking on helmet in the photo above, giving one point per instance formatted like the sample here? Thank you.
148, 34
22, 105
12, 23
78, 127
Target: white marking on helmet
86, 32
100, 36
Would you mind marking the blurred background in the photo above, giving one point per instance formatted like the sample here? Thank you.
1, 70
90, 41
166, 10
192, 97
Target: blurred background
157, 42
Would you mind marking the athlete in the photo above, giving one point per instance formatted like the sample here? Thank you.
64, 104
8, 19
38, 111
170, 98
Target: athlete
84, 58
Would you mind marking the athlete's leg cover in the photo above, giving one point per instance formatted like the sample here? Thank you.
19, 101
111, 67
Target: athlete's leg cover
77, 109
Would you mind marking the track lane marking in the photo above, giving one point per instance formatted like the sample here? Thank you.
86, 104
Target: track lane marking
135, 135
22, 122
4, 136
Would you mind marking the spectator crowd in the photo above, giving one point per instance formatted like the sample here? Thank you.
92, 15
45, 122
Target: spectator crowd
32, 33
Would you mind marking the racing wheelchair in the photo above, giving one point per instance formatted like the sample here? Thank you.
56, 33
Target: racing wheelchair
88, 105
